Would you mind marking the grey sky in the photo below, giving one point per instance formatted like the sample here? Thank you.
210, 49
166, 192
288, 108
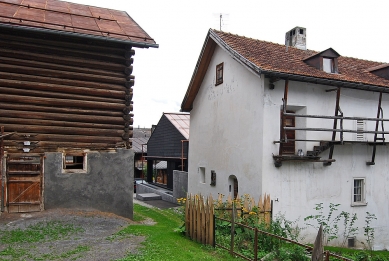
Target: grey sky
352, 28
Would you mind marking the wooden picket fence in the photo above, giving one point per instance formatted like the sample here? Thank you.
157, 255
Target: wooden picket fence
200, 218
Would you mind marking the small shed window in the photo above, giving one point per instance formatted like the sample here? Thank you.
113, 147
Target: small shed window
74, 163
219, 73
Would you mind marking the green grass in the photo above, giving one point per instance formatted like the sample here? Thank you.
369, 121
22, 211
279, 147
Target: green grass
162, 243
357, 254
39, 232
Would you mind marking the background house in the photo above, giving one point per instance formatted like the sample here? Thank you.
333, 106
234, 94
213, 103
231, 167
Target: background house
66, 101
169, 142
139, 145
305, 126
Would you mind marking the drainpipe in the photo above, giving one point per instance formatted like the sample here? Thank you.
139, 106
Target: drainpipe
182, 153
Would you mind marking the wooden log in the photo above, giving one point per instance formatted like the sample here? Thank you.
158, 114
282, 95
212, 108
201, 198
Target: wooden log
62, 51
64, 89
53, 65
106, 47
61, 102
41, 79
63, 130
62, 117
59, 110
81, 124
109, 68
53, 144
66, 138
58, 95
61, 74
128, 70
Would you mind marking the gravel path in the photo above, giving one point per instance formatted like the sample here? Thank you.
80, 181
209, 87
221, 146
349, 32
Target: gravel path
96, 227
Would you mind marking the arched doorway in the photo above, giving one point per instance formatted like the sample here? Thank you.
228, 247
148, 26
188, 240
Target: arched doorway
233, 186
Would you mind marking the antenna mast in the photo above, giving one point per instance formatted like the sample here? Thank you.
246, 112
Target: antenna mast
221, 16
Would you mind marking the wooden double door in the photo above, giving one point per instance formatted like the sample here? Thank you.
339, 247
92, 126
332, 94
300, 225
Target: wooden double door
24, 175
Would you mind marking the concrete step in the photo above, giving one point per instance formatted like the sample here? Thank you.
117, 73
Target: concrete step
148, 196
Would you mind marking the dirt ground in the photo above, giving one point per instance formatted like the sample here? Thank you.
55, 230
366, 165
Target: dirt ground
97, 227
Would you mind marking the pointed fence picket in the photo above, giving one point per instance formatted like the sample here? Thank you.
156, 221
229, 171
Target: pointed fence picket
199, 220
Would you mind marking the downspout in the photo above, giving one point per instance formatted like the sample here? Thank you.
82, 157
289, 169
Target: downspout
182, 153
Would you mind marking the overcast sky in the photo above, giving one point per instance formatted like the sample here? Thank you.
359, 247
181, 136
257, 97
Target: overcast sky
352, 28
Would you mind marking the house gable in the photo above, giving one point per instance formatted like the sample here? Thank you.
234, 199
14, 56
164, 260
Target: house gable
277, 61
166, 140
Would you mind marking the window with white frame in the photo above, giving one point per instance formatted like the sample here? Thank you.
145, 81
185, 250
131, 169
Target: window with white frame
359, 191
328, 65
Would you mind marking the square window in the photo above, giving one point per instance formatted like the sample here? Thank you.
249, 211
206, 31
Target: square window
358, 192
74, 163
219, 74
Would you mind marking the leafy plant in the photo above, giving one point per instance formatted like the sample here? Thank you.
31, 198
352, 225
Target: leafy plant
369, 230
329, 221
348, 223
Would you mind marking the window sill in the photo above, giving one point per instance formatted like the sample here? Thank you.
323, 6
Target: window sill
362, 204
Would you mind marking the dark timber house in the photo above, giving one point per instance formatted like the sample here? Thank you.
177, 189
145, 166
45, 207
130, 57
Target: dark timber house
66, 101
169, 142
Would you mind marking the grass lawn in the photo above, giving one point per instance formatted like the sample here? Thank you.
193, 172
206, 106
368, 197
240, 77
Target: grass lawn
163, 243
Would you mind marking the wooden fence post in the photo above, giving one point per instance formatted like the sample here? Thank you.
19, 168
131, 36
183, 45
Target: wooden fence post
232, 229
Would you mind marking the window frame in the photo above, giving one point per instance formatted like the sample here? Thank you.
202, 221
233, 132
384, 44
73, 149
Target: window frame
361, 193
74, 170
332, 65
219, 74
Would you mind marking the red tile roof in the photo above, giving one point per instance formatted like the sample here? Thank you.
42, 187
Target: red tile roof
277, 58
73, 18
277, 61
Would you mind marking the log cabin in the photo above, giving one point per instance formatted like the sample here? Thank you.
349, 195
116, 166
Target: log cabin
66, 87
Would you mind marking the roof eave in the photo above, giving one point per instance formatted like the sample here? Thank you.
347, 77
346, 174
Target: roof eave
78, 35
330, 82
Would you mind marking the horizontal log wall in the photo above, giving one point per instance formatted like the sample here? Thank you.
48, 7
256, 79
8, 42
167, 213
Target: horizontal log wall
62, 93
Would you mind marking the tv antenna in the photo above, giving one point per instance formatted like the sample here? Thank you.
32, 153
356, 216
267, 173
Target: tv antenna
222, 20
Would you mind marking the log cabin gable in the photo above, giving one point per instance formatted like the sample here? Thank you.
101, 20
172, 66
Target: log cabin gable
64, 88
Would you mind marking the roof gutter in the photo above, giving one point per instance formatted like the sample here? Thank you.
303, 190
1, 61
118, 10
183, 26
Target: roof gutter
239, 58
77, 35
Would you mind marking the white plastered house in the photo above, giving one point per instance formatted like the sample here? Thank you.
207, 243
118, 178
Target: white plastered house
306, 127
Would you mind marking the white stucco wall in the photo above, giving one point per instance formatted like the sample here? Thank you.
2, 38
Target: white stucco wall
298, 186
233, 126
222, 120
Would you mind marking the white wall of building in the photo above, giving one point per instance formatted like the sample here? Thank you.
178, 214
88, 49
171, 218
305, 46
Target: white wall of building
233, 126
300, 185
225, 129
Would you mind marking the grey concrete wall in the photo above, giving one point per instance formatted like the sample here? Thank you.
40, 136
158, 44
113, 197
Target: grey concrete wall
107, 184
180, 184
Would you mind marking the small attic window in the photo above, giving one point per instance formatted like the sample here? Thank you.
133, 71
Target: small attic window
301, 31
326, 61
328, 65
219, 74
